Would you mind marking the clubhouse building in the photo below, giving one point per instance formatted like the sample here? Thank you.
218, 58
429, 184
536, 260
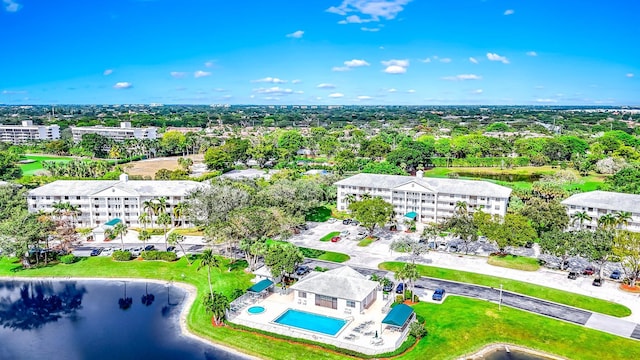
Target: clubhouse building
599, 203
102, 201
425, 199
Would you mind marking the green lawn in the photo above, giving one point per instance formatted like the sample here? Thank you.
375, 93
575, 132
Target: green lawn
319, 214
325, 255
515, 262
189, 232
329, 236
367, 241
456, 327
541, 292
32, 168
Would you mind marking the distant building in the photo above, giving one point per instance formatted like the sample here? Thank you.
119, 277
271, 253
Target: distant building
184, 130
425, 199
248, 174
599, 203
124, 132
101, 201
27, 132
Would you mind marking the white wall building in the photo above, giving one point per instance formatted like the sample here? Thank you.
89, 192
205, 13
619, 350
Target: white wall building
104, 200
27, 132
599, 203
431, 199
124, 132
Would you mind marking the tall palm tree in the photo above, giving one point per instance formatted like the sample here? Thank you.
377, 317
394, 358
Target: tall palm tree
350, 198
144, 236
580, 217
401, 275
144, 220
208, 260
165, 220
177, 239
461, 207
148, 207
161, 205
607, 221
179, 210
622, 218
120, 229
411, 274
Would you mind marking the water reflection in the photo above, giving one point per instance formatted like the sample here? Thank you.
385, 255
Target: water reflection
147, 298
125, 302
38, 303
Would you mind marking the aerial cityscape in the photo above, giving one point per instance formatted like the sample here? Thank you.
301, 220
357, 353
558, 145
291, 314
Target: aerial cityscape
339, 179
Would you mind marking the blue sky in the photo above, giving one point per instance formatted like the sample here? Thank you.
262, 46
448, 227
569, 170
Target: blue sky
422, 52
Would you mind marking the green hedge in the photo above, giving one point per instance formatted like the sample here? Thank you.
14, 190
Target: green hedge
159, 255
120, 255
69, 259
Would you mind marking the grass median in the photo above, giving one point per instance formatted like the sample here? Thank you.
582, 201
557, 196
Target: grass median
329, 236
541, 292
514, 262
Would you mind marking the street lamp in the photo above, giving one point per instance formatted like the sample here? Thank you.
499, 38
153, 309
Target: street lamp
500, 301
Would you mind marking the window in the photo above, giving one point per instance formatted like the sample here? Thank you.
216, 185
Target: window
326, 301
302, 294
351, 303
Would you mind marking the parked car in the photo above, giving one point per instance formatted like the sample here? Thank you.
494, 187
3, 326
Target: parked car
331, 220
588, 271
302, 227
528, 245
136, 252
616, 275
438, 295
355, 222
597, 282
335, 239
388, 286
171, 248
345, 233
573, 275
149, 247
96, 251
302, 270
107, 251
346, 221
400, 288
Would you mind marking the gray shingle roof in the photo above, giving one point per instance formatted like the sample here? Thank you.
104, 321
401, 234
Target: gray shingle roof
138, 187
342, 283
447, 186
606, 200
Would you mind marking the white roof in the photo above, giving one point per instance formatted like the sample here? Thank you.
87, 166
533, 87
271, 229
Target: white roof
343, 283
155, 188
248, 174
605, 200
446, 186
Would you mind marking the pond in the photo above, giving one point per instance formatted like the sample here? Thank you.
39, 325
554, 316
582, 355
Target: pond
96, 320
513, 355
500, 177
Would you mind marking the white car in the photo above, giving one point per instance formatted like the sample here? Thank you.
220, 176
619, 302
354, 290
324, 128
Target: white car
107, 251
331, 220
344, 233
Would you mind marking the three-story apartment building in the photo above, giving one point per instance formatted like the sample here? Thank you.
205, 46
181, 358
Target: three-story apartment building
430, 199
122, 133
599, 203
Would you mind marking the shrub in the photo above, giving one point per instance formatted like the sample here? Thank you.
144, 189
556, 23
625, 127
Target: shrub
120, 255
320, 269
416, 298
69, 259
159, 255
417, 330
408, 295
399, 299
236, 293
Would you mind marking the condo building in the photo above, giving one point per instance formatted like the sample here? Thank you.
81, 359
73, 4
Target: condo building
425, 199
27, 133
599, 203
122, 133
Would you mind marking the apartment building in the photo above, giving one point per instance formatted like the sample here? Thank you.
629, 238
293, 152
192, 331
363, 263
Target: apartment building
426, 199
122, 133
599, 203
27, 133
100, 201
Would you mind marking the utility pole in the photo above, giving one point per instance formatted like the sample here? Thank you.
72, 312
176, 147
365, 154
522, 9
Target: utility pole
500, 302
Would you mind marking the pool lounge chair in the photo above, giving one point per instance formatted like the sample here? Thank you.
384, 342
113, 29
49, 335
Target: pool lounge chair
377, 341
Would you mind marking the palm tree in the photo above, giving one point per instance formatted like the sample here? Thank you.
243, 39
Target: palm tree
149, 207
607, 221
165, 220
144, 236
217, 304
120, 230
622, 218
350, 198
144, 220
581, 217
400, 275
161, 205
177, 239
208, 260
179, 210
411, 274
461, 208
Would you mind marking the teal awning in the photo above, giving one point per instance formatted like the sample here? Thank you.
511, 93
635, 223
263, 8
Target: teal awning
113, 222
411, 215
261, 286
398, 315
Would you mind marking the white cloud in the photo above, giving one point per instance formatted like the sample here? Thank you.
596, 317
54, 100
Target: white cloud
509, 12
336, 95
392, 90
200, 73
355, 63
629, 75
269, 79
426, 61
298, 92
326, 86
496, 57
395, 69
532, 53
340, 68
272, 98
445, 60
396, 66
546, 101
364, 28
296, 81
364, 97
273, 91
477, 91
209, 64
373, 10
296, 34
411, 91
123, 85
219, 90
178, 74
462, 77
473, 60
107, 72
11, 6
13, 92
402, 63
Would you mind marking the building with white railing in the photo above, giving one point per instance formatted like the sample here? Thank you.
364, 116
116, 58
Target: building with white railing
122, 133
27, 133
599, 203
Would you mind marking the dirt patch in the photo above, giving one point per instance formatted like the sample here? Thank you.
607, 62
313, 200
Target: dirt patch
149, 167
627, 288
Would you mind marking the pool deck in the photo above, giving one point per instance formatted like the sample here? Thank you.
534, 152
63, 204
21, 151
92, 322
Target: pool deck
362, 341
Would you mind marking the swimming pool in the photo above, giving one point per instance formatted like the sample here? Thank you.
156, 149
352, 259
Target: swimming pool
255, 310
311, 322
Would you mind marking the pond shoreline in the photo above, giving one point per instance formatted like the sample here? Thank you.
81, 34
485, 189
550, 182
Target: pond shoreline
482, 353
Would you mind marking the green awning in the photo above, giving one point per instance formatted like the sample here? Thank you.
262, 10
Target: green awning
411, 215
113, 222
260, 286
398, 315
